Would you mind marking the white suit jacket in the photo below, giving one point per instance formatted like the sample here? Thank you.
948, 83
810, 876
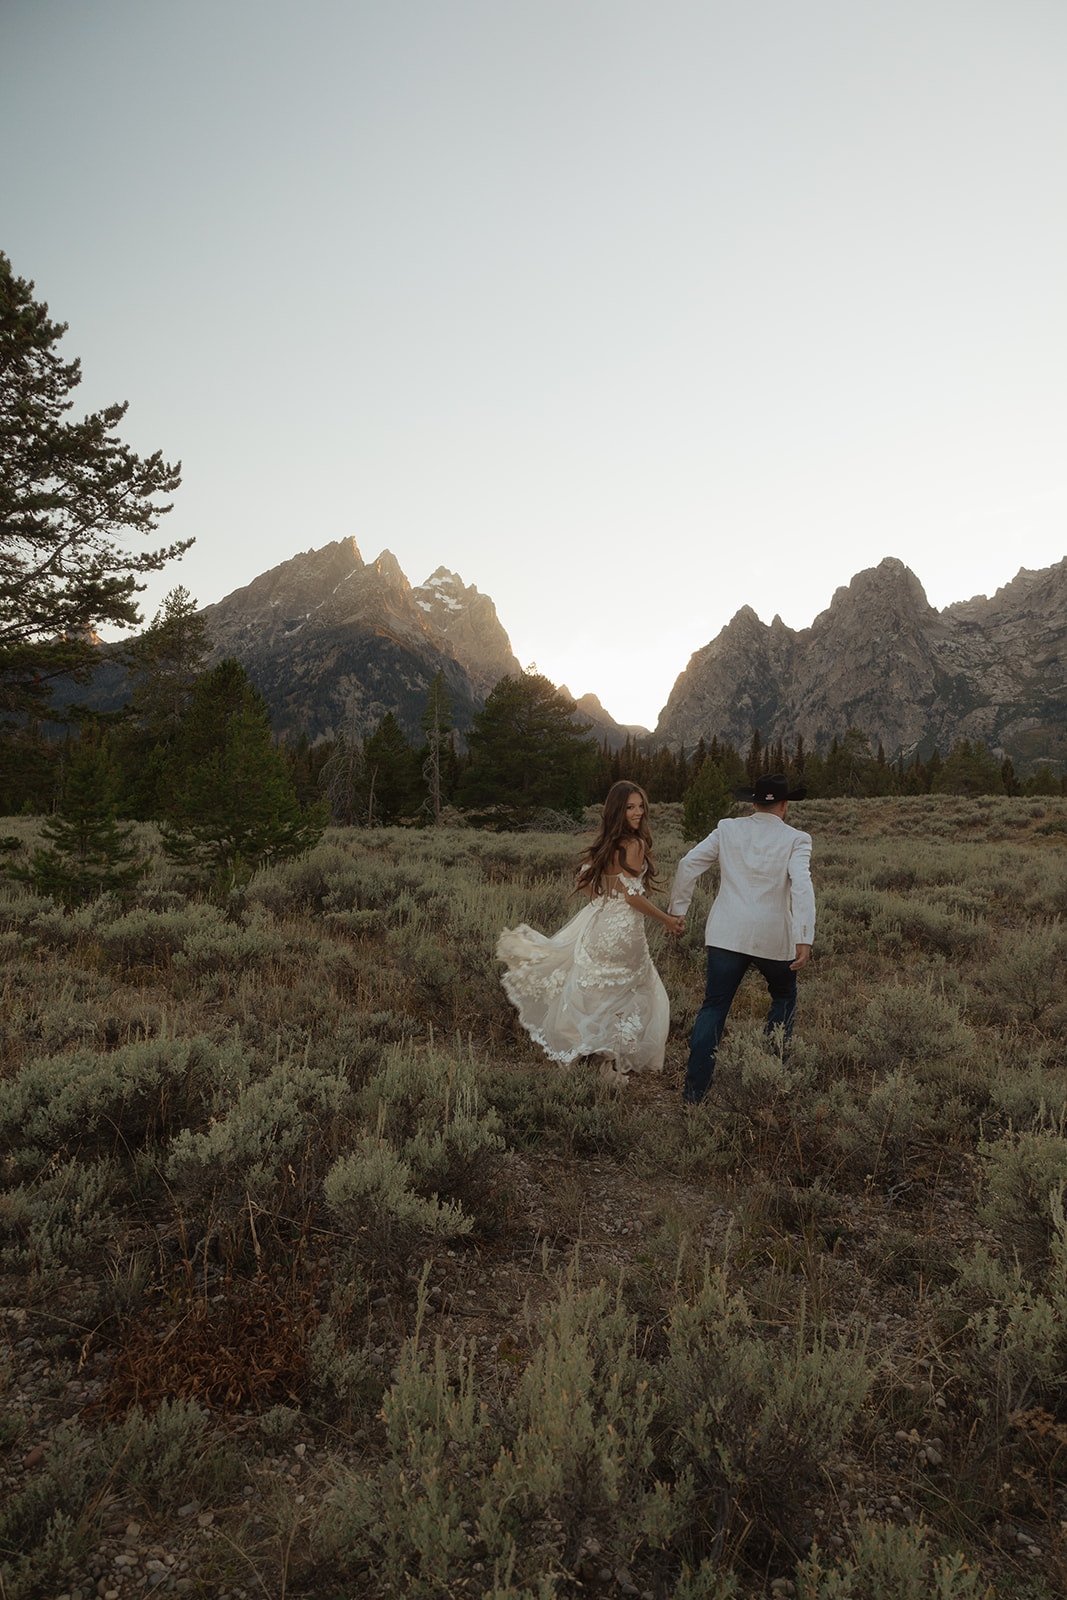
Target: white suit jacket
765, 905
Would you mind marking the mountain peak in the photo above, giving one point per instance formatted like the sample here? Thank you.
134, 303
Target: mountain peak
389, 570
882, 659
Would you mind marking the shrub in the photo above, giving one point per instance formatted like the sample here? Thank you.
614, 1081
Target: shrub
885, 1562
748, 1420
87, 1103
1012, 1351
911, 1024
43, 1528
60, 1217
275, 1132
485, 1501
1025, 1179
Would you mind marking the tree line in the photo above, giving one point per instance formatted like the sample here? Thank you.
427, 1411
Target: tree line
192, 748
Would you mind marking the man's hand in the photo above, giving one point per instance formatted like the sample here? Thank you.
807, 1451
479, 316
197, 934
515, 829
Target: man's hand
803, 952
675, 925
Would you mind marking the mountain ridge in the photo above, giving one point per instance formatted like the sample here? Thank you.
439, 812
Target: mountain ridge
333, 642
882, 659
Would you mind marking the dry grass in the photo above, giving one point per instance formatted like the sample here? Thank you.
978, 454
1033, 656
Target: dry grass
265, 1158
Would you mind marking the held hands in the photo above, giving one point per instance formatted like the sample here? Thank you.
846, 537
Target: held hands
675, 925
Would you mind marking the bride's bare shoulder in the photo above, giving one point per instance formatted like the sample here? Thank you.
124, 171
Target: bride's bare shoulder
633, 856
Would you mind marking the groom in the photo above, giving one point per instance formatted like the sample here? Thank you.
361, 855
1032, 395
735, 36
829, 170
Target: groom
763, 916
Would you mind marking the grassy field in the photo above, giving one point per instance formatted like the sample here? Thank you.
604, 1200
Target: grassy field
317, 1281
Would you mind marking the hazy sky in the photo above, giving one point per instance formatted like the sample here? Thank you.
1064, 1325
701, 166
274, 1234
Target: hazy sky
630, 314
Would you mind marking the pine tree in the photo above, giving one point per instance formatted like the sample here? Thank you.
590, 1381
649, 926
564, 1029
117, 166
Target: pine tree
231, 804
166, 662
527, 750
69, 492
969, 769
392, 773
754, 763
90, 854
1042, 781
708, 799
436, 725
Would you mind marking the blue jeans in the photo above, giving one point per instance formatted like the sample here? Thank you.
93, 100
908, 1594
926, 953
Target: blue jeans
726, 968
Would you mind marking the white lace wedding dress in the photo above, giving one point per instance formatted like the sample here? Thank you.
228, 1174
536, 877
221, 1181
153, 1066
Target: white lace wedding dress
591, 989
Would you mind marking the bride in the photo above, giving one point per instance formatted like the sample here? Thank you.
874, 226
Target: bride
591, 988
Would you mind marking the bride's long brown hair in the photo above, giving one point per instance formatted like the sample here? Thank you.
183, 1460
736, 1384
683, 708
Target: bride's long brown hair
607, 853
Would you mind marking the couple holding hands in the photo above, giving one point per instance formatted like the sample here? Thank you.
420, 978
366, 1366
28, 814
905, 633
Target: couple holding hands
591, 989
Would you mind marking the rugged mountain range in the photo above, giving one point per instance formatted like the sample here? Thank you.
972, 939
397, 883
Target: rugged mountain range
880, 658
333, 642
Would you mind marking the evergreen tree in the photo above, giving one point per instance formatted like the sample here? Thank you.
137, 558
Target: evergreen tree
89, 854
662, 780
850, 767
526, 750
69, 491
436, 725
30, 768
231, 805
815, 775
166, 662
969, 770
754, 763
708, 799
392, 773
1007, 776
1042, 781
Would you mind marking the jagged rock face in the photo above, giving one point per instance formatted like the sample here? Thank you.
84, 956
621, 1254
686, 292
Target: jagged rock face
602, 725
883, 660
457, 613
333, 642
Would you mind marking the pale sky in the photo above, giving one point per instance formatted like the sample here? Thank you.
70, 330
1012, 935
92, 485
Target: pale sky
630, 314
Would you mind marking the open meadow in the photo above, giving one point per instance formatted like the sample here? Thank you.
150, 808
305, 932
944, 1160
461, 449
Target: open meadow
316, 1281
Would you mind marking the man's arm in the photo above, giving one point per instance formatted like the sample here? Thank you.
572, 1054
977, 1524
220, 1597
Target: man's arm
698, 860
801, 899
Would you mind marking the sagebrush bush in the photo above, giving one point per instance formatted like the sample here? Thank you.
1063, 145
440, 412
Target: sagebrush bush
1011, 1352
278, 1133
43, 1526
1025, 1178
885, 1562
911, 1024
89, 1103
58, 1217
318, 1080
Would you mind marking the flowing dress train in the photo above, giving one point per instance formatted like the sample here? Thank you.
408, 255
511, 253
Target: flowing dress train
591, 988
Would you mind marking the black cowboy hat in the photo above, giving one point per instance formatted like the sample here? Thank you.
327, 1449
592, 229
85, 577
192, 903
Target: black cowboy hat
769, 790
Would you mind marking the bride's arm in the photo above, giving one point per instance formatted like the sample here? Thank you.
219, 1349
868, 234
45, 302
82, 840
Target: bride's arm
635, 860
